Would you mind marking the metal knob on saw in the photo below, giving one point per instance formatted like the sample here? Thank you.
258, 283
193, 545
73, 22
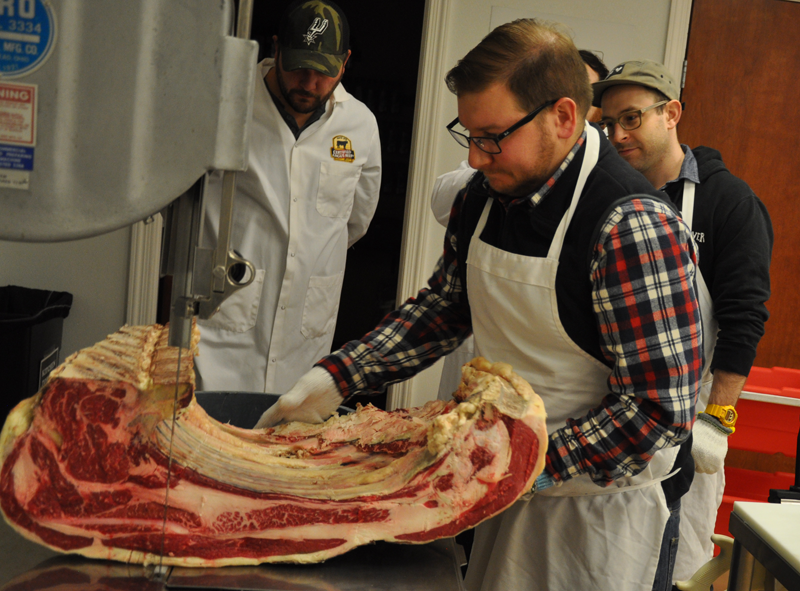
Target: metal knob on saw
203, 278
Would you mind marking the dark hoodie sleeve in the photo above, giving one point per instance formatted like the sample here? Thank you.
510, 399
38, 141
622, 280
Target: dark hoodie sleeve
741, 286
738, 272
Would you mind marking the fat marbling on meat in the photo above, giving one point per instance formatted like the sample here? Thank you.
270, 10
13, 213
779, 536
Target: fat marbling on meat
83, 465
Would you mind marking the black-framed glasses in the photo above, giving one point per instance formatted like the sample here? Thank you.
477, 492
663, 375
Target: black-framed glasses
629, 120
491, 145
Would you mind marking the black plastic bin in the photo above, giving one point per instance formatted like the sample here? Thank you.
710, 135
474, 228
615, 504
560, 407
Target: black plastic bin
31, 324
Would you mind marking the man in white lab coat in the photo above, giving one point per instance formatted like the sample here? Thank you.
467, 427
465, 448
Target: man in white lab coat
309, 193
641, 111
563, 262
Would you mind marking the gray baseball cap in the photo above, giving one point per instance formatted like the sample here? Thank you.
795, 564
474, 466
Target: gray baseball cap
314, 34
643, 73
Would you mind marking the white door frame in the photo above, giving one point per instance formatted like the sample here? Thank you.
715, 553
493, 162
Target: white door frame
680, 13
418, 219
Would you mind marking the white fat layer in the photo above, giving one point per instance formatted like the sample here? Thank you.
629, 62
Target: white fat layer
312, 471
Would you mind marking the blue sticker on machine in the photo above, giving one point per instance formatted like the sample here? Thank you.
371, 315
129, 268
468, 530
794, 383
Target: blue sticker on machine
16, 157
27, 36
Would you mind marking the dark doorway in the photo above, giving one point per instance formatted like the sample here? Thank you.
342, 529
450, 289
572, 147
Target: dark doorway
385, 38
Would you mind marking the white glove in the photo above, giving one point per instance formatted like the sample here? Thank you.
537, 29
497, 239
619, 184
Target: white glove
709, 444
313, 399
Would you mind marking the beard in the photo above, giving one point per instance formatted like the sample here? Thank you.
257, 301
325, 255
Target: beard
517, 181
302, 101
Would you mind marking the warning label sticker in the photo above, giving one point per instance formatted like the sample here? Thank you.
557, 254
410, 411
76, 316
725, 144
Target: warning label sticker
18, 114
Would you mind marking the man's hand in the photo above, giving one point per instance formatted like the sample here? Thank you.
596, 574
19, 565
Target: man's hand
313, 399
709, 444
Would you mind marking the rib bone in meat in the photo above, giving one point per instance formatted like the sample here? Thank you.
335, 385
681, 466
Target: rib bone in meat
83, 465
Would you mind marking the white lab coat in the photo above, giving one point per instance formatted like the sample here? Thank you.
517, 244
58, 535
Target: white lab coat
298, 208
445, 190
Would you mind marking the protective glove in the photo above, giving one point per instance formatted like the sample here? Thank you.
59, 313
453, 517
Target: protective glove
709, 444
313, 399
543, 481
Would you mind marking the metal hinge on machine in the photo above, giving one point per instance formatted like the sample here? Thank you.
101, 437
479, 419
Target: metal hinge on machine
683, 73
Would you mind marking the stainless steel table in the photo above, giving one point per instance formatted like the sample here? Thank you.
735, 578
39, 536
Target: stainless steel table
766, 546
377, 567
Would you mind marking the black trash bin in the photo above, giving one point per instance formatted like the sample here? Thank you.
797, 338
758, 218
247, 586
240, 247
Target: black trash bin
31, 323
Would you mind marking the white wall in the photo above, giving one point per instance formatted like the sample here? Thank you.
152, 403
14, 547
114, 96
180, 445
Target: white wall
94, 270
620, 29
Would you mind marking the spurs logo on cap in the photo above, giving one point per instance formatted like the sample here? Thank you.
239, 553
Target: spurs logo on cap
616, 71
316, 29
314, 34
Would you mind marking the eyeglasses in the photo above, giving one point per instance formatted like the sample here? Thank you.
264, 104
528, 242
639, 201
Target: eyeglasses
629, 120
491, 145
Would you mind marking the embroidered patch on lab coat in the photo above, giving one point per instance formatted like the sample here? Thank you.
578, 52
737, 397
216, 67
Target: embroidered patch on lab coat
342, 149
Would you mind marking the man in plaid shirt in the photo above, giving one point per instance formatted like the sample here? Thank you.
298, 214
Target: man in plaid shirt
565, 263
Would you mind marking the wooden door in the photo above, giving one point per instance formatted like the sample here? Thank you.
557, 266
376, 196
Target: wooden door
742, 96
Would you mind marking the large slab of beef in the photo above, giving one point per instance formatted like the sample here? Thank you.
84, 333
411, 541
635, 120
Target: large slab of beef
84, 464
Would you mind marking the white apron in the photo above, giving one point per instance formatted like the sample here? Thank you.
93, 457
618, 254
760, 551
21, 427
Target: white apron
579, 535
699, 506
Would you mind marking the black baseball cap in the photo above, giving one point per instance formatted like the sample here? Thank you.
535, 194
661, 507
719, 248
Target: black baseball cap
314, 34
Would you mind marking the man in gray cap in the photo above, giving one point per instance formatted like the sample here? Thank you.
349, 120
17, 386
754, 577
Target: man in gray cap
641, 110
309, 193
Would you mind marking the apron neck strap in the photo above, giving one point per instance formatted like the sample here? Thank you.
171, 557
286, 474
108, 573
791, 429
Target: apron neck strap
484, 217
687, 211
590, 157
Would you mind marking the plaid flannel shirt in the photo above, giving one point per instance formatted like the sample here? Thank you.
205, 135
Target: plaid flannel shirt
642, 275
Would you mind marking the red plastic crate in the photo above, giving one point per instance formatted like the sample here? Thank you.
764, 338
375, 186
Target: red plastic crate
747, 485
766, 427
781, 381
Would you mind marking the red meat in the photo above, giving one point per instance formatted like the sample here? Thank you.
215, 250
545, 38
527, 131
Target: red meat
84, 464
